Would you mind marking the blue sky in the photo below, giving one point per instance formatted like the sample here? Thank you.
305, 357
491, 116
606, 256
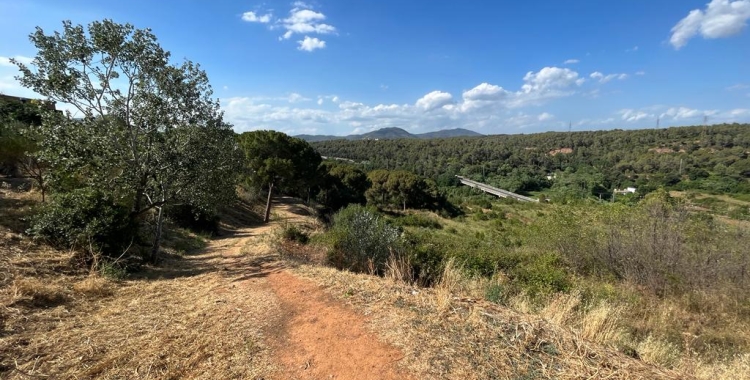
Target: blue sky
345, 66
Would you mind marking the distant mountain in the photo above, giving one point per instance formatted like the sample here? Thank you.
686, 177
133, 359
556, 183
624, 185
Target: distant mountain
446, 133
314, 138
394, 133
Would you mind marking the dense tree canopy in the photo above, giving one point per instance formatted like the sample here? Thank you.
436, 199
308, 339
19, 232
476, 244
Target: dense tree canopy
711, 158
341, 184
145, 131
274, 159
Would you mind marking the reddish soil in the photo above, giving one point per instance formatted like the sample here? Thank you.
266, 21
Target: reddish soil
321, 339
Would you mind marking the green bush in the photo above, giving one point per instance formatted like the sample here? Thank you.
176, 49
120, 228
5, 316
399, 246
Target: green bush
292, 233
361, 240
85, 219
192, 218
416, 220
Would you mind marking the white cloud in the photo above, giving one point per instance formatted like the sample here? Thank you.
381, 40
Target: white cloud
254, 17
545, 116
571, 62
439, 110
738, 86
720, 19
632, 50
5, 61
486, 107
347, 105
640, 73
677, 113
310, 44
485, 91
302, 19
295, 97
434, 100
634, 115
596, 75
549, 78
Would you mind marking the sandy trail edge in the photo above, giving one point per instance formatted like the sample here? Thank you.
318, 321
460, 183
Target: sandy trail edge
318, 338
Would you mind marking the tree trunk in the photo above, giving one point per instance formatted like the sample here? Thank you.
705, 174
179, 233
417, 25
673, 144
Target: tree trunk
404, 204
268, 203
157, 237
139, 196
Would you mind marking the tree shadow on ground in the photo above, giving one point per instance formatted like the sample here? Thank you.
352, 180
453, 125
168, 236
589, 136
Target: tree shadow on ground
237, 222
15, 209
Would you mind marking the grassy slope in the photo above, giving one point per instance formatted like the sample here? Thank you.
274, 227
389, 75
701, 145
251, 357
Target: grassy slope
61, 322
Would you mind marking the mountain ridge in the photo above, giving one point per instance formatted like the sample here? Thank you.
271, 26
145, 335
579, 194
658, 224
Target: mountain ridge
394, 133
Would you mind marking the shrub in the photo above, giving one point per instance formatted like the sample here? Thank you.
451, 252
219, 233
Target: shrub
187, 216
85, 219
292, 233
416, 220
361, 240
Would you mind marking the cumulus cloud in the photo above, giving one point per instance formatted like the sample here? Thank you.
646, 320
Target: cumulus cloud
310, 44
720, 19
295, 97
631, 115
483, 106
435, 99
677, 113
485, 91
545, 116
254, 17
302, 19
439, 110
602, 78
549, 78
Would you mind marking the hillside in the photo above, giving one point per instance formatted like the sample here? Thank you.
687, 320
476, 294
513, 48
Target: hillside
572, 165
239, 309
394, 133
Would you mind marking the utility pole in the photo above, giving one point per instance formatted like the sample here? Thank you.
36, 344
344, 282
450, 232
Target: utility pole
658, 119
705, 120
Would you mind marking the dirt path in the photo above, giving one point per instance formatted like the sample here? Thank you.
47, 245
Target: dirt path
324, 340
231, 311
314, 337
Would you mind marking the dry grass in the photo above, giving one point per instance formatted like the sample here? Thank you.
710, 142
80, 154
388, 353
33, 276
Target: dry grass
192, 317
601, 324
560, 310
399, 269
658, 352
473, 339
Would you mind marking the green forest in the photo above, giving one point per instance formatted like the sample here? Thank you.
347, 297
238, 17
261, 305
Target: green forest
565, 166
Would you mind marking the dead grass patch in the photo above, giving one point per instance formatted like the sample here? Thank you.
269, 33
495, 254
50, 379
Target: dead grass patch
474, 339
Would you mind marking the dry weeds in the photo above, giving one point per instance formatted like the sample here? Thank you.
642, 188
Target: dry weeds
473, 339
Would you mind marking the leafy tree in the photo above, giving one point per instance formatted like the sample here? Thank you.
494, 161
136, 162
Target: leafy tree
401, 188
147, 131
19, 133
274, 159
342, 185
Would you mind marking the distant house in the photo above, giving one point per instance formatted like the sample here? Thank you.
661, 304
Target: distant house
627, 190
